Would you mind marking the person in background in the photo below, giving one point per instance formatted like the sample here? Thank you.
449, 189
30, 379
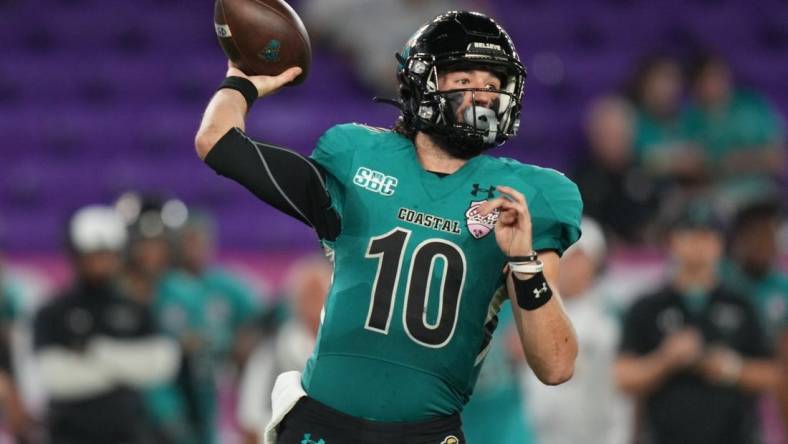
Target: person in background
615, 192
740, 133
306, 287
14, 417
588, 408
149, 255
751, 269
96, 349
660, 142
210, 311
229, 303
694, 353
149, 258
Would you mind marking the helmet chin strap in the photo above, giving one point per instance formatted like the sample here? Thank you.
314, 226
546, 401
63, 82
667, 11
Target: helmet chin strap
483, 119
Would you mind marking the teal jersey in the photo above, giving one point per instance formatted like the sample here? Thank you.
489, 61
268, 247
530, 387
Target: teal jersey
768, 294
228, 306
181, 309
417, 273
10, 301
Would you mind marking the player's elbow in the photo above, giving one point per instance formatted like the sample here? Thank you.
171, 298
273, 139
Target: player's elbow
204, 141
557, 375
555, 371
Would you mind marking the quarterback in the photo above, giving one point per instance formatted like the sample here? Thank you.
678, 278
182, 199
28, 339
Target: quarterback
429, 236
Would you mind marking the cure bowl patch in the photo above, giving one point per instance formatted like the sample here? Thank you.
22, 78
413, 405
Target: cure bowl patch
480, 226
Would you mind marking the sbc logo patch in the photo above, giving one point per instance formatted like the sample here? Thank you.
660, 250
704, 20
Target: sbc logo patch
375, 181
480, 226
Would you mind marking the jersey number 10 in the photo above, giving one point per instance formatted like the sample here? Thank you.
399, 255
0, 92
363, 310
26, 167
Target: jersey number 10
388, 250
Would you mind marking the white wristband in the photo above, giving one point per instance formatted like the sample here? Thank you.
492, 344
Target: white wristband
527, 267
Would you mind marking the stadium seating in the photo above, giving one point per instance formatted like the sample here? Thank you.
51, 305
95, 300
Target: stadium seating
100, 96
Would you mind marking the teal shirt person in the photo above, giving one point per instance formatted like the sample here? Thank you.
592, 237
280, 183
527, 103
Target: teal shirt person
745, 124
769, 294
228, 306
495, 412
418, 273
178, 309
204, 312
10, 301
653, 134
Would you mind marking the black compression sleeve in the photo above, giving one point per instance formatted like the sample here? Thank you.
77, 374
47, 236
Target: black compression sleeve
286, 180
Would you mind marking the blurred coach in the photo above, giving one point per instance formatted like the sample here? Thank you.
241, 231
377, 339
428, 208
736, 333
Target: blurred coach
95, 348
694, 352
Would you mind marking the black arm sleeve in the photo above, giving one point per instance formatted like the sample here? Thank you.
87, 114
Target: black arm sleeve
286, 180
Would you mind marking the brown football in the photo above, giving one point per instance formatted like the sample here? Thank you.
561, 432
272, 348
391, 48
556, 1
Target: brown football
262, 37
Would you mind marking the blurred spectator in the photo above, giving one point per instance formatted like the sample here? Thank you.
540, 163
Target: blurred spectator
660, 142
383, 25
694, 353
95, 347
229, 304
149, 259
588, 408
615, 192
741, 134
751, 269
306, 287
208, 310
149, 254
495, 412
15, 418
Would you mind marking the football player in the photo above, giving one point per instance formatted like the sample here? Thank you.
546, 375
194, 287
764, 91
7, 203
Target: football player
428, 234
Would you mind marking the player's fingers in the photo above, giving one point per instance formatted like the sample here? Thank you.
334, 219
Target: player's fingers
514, 207
491, 205
514, 194
507, 217
288, 76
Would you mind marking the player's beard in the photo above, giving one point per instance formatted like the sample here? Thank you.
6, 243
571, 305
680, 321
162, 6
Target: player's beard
452, 147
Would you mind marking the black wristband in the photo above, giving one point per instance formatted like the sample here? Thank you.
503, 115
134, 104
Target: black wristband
243, 86
532, 293
532, 258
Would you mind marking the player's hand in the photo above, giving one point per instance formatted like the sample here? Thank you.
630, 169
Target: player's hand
720, 365
682, 348
265, 84
513, 227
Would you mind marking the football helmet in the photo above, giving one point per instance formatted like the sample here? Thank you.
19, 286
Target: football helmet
454, 41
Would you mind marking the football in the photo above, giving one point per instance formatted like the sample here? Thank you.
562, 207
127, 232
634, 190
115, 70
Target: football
262, 37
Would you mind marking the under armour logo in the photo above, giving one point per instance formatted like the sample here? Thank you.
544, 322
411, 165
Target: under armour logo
538, 291
477, 189
308, 440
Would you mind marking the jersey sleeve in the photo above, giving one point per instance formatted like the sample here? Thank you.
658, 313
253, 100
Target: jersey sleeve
278, 176
558, 227
334, 153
